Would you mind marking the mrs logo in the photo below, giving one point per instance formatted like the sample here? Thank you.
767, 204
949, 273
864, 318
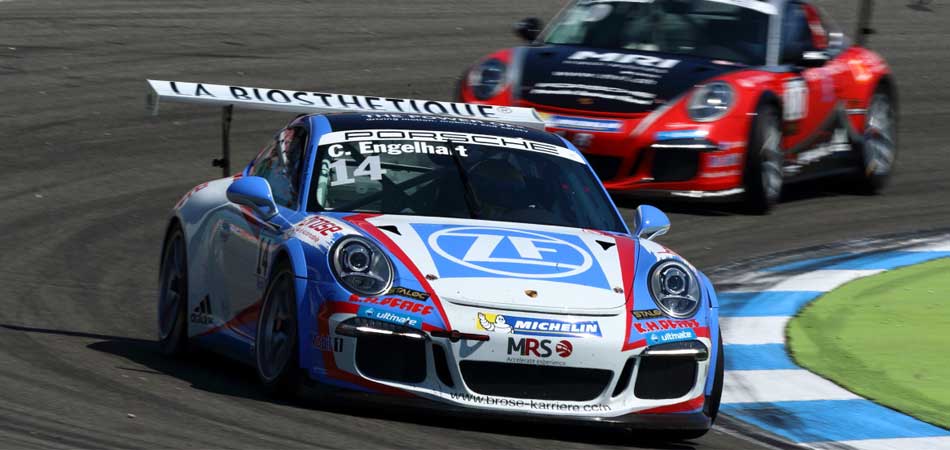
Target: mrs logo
511, 253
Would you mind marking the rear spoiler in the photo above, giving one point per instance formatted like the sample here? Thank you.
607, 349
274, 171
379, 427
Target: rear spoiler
306, 102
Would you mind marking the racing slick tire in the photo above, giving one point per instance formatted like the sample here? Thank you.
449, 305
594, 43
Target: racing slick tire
762, 176
878, 151
276, 347
173, 295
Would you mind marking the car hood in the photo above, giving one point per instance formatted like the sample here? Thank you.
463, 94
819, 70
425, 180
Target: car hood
511, 266
610, 81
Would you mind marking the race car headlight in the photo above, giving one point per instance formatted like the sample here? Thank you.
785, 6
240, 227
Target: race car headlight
487, 79
675, 289
711, 102
361, 266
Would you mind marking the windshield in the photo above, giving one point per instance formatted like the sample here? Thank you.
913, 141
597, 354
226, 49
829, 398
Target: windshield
447, 174
733, 30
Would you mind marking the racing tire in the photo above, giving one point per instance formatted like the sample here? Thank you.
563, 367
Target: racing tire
762, 175
878, 151
173, 295
276, 347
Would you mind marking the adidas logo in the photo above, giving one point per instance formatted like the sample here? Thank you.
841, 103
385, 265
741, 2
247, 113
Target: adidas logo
202, 313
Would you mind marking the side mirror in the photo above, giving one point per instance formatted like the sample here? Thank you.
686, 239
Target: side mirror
528, 29
651, 222
254, 192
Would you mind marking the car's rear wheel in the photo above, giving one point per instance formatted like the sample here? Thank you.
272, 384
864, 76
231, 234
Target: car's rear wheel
173, 295
879, 149
763, 177
276, 346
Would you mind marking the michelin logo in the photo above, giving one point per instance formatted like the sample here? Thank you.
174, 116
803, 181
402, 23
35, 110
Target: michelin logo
499, 323
670, 336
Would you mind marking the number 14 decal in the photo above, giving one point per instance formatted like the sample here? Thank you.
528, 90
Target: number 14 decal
369, 167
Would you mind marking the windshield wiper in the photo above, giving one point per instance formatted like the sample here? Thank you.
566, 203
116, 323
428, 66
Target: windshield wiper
470, 200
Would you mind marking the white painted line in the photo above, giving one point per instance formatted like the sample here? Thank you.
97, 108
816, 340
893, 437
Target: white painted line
753, 330
925, 443
758, 386
821, 280
943, 246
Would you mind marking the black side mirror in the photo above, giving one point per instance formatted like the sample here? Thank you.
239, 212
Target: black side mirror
528, 29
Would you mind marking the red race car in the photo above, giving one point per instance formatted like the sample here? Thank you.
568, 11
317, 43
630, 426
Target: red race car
712, 99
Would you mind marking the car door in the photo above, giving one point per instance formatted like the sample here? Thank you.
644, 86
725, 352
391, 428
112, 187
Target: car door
810, 94
247, 241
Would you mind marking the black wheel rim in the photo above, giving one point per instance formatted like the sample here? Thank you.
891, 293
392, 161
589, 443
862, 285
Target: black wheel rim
173, 288
278, 329
879, 137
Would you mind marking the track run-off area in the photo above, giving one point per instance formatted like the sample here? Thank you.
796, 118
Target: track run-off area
88, 180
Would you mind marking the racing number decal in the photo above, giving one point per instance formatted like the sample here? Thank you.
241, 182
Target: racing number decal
370, 167
263, 255
796, 100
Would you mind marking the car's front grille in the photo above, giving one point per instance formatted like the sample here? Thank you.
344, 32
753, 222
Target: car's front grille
665, 377
605, 167
674, 164
534, 382
391, 358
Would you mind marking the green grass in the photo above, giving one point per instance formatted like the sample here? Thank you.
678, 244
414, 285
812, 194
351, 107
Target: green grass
885, 337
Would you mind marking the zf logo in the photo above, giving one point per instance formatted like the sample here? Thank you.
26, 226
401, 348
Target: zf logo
540, 348
511, 252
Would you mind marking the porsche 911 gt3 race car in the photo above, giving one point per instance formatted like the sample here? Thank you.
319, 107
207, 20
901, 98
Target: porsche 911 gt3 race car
442, 252
713, 99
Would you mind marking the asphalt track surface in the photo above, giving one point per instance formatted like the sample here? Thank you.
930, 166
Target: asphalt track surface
87, 181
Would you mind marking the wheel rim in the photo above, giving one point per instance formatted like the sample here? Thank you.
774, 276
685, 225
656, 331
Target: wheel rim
879, 145
278, 329
172, 288
771, 157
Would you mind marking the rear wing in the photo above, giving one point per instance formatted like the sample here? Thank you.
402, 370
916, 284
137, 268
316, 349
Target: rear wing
306, 102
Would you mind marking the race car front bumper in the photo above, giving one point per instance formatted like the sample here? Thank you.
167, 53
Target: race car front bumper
469, 372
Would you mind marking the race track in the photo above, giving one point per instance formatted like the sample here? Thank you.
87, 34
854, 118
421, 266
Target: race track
87, 181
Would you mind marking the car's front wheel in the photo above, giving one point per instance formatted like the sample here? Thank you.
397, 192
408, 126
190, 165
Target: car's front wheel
763, 174
276, 346
879, 150
173, 295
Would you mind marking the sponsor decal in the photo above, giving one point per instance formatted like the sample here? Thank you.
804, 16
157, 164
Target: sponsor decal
305, 101
408, 320
660, 325
585, 124
534, 405
729, 160
647, 314
395, 303
325, 343
316, 229
681, 134
665, 337
591, 91
498, 323
539, 348
512, 253
201, 314
624, 58
416, 137
406, 292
